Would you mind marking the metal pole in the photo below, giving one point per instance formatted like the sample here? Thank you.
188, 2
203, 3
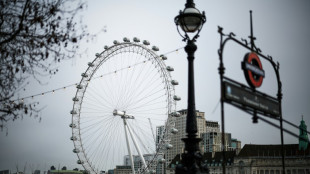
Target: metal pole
221, 72
128, 147
137, 147
191, 121
280, 109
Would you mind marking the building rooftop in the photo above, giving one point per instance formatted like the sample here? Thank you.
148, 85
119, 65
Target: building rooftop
254, 150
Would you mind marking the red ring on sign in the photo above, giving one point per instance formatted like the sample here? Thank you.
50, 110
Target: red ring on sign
254, 82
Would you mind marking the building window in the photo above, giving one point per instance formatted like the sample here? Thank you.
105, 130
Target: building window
288, 171
301, 171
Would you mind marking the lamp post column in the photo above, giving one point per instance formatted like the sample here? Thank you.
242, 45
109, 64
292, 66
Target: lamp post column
191, 158
191, 121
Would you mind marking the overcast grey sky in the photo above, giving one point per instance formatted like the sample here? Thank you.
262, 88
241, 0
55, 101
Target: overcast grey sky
280, 26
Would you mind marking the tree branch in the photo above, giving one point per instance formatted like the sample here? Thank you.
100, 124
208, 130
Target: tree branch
19, 28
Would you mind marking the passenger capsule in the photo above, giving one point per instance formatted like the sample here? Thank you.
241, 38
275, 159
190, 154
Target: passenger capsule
115, 42
79, 86
145, 42
162, 160
125, 39
174, 82
155, 48
163, 57
97, 54
80, 162
176, 98
73, 112
105, 47
73, 138
76, 150
84, 75
174, 130
136, 39
169, 146
175, 114
72, 125
75, 99
169, 68
90, 64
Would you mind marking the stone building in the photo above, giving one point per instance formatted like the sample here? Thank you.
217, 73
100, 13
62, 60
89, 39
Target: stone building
180, 125
267, 159
122, 170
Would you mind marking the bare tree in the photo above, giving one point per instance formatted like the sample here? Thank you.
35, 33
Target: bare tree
34, 37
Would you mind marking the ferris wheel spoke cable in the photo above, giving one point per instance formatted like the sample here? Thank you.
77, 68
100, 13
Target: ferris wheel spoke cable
119, 144
89, 103
137, 88
89, 115
133, 90
123, 76
153, 109
145, 149
101, 146
101, 132
89, 135
142, 103
93, 123
145, 95
85, 123
127, 60
146, 79
96, 99
93, 92
120, 84
94, 152
146, 100
133, 84
94, 109
106, 87
141, 129
131, 71
90, 124
154, 103
124, 97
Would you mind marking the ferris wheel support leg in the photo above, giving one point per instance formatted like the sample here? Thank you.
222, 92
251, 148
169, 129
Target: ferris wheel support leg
128, 147
137, 147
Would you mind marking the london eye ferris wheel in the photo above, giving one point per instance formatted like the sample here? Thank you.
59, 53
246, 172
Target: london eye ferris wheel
124, 96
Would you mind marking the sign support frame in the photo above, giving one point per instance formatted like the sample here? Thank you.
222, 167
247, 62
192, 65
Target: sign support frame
224, 38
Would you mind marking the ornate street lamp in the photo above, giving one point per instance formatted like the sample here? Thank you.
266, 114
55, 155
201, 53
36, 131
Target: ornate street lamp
190, 20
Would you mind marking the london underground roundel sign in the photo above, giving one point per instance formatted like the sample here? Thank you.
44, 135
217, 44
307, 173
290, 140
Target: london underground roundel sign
253, 70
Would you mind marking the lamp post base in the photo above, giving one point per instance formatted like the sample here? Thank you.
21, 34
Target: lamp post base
191, 161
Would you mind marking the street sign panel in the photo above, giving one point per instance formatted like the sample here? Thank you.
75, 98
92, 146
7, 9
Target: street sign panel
247, 99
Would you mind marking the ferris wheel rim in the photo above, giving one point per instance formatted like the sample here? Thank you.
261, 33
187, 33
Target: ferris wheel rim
93, 66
